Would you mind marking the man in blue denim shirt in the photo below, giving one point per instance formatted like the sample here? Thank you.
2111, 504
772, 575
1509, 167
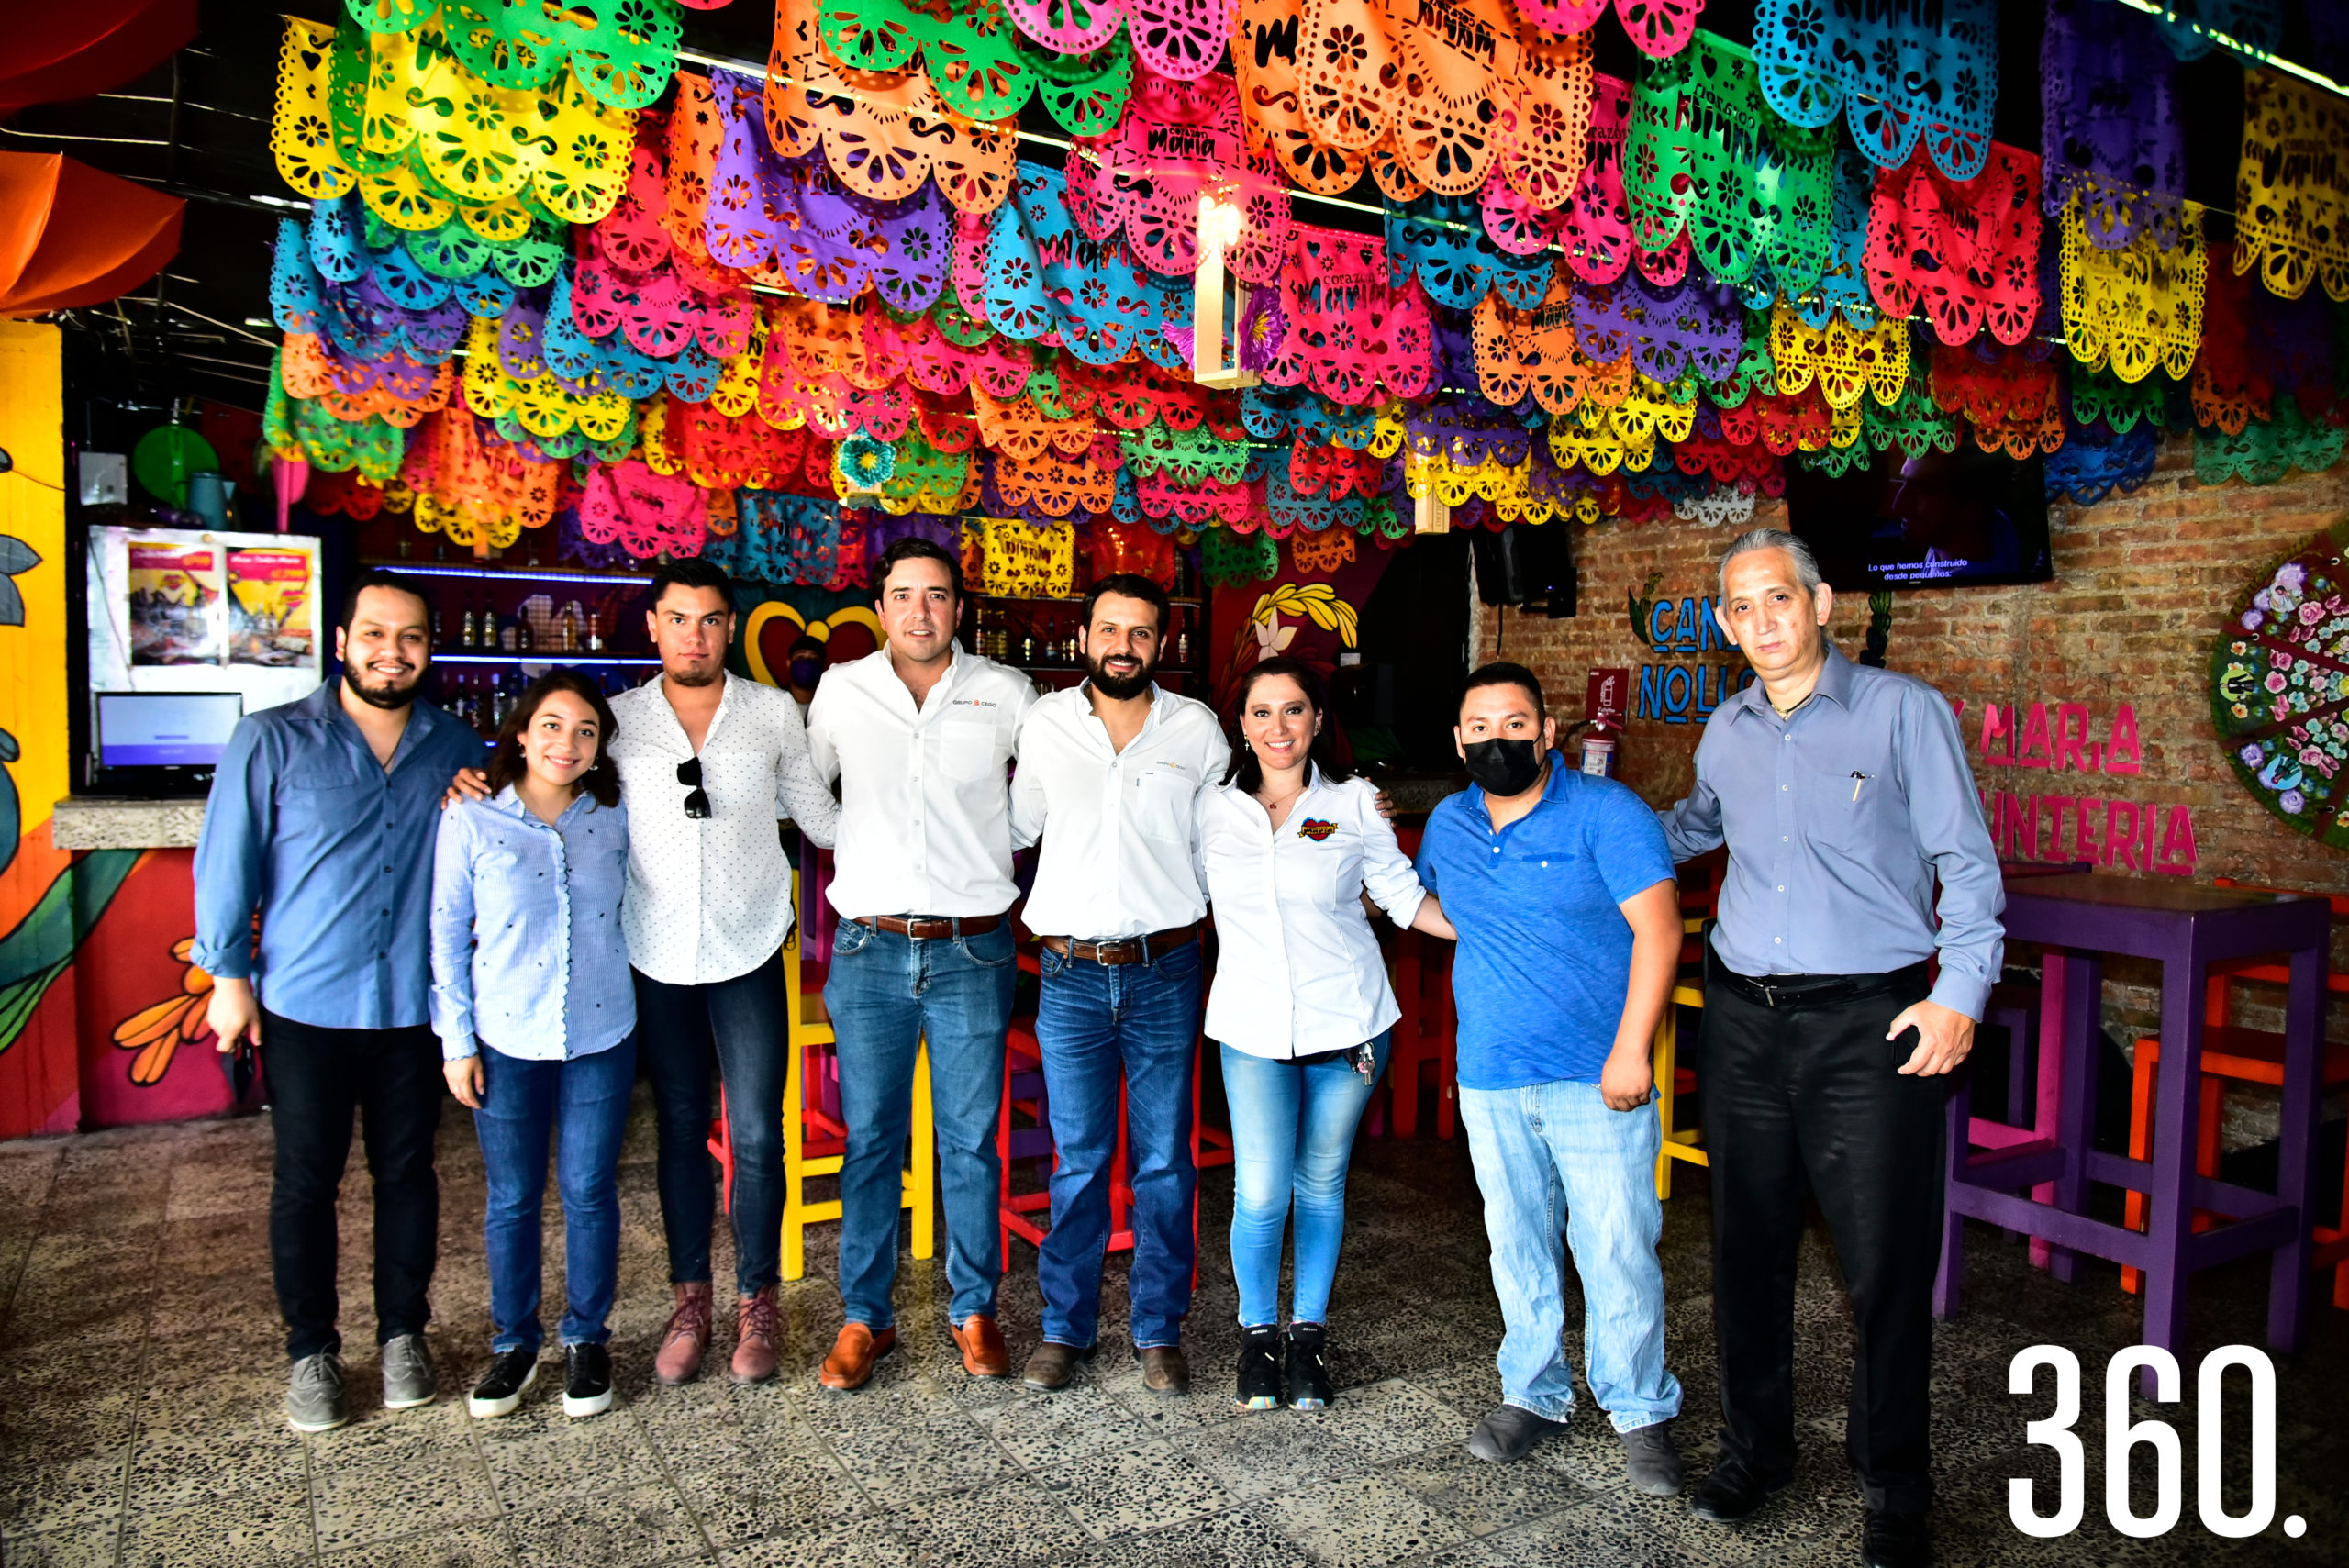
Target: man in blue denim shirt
322, 819
1569, 922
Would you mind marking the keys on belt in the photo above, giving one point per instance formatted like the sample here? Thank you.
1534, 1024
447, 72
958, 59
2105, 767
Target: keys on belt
931, 928
1126, 950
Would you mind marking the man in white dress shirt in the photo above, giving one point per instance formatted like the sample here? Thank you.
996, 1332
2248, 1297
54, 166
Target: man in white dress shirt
709, 763
919, 735
1108, 774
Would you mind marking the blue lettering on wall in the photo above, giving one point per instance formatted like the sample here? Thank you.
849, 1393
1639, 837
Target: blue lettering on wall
1677, 680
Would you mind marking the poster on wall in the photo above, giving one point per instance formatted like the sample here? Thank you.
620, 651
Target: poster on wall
269, 608
203, 610
174, 604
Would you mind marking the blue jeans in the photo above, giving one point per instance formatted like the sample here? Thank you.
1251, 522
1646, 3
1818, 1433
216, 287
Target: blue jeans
742, 1027
1093, 1019
1532, 1148
1292, 1139
888, 995
521, 1104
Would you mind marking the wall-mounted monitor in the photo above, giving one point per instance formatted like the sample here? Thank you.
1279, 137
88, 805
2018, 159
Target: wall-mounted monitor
1943, 520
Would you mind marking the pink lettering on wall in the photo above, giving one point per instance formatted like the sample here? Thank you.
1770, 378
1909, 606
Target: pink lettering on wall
2108, 833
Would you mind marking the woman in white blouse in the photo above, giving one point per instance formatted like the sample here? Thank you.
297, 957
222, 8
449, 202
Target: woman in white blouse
1300, 1004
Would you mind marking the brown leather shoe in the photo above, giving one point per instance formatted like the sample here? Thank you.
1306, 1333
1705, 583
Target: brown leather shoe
757, 1326
851, 1364
1164, 1370
687, 1336
981, 1343
1053, 1365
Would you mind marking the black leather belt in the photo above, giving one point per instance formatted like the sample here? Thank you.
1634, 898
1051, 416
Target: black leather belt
1812, 990
932, 927
1126, 950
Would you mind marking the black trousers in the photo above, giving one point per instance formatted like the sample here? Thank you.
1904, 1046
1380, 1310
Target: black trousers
316, 1078
1801, 1098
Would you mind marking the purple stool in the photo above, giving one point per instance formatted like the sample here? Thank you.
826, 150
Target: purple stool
2077, 919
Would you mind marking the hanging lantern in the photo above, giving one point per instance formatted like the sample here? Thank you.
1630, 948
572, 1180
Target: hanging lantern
1218, 231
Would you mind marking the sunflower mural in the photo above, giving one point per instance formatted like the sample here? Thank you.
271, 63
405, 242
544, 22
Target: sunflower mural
157, 1033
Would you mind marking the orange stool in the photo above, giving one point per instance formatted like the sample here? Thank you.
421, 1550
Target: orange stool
2251, 1056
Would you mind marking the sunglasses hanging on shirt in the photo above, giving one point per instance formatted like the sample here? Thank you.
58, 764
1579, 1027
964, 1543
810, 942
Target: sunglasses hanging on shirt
697, 798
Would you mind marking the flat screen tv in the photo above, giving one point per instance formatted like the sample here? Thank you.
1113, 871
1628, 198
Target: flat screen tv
1946, 519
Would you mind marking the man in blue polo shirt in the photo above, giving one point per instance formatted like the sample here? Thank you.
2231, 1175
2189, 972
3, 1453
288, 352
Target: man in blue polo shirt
1562, 889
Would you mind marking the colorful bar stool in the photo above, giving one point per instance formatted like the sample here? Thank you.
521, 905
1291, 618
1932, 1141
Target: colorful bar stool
2189, 930
815, 1138
2251, 1056
1426, 1038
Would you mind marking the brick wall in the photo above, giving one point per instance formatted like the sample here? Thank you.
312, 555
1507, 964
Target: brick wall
2142, 585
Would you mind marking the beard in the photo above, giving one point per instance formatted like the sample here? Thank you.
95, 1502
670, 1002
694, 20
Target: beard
708, 677
1118, 688
386, 695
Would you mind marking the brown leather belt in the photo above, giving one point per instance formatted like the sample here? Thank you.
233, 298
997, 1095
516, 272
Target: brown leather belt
1126, 950
932, 927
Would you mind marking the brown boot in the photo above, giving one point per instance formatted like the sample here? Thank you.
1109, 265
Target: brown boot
687, 1336
757, 1326
1165, 1370
851, 1364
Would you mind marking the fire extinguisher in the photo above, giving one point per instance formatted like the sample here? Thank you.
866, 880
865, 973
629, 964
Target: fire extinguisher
1602, 733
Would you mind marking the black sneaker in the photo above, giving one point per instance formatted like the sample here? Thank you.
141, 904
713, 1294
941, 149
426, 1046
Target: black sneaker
586, 1380
1260, 1367
501, 1388
1309, 1378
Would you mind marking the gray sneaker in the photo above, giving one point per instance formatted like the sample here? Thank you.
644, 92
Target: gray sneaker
1653, 1460
314, 1395
408, 1381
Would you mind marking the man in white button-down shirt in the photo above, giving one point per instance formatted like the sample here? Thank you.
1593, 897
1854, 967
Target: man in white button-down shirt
919, 735
1108, 774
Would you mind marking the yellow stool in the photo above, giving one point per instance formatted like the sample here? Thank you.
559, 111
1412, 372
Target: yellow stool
1679, 1143
814, 1141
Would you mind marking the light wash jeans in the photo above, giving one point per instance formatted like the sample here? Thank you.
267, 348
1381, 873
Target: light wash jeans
1292, 1138
1533, 1148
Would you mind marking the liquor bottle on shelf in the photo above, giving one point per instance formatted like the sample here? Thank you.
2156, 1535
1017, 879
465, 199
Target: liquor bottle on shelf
521, 631
468, 629
595, 636
436, 626
1070, 648
1183, 650
569, 630
1027, 648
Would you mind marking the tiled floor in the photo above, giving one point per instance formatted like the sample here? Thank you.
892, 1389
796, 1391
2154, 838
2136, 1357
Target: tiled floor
140, 1383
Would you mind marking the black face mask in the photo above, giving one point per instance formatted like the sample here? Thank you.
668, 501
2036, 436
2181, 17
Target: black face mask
1504, 768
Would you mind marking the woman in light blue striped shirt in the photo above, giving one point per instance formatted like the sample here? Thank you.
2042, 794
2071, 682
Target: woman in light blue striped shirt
537, 1018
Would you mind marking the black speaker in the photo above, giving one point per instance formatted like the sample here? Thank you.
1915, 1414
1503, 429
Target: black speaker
1501, 565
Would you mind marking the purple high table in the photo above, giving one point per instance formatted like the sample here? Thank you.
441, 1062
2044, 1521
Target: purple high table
2077, 919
